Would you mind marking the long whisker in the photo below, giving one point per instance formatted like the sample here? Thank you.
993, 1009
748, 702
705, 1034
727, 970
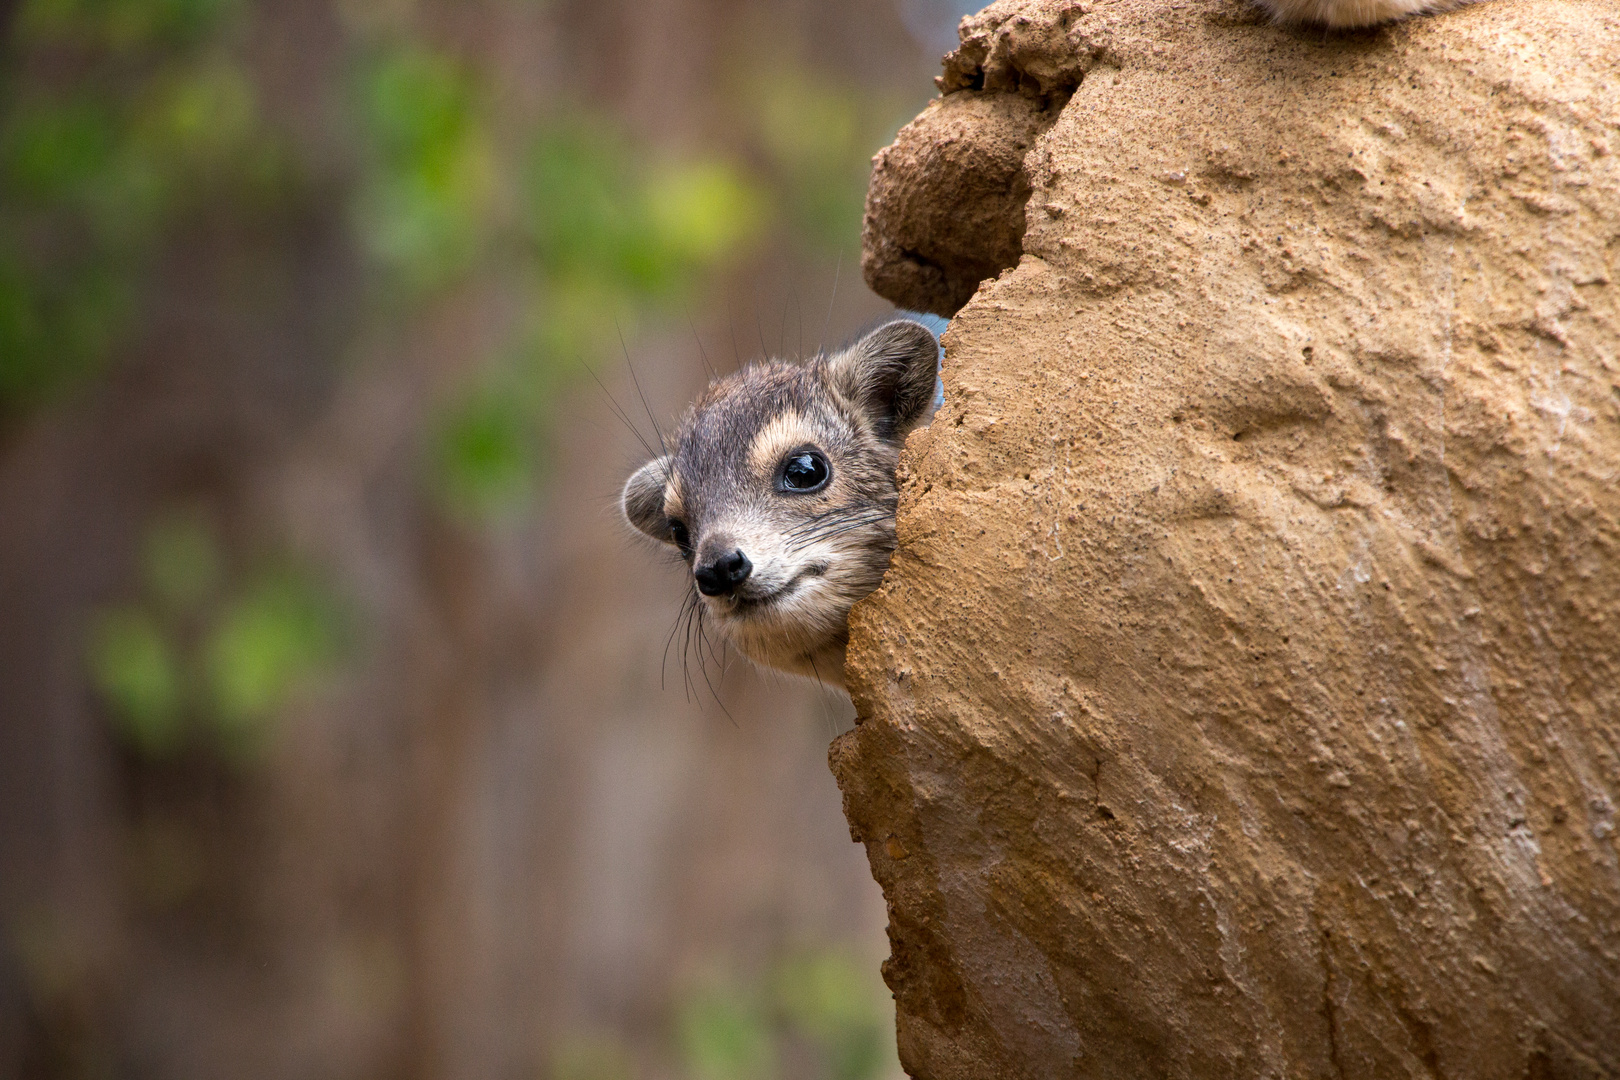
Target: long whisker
802, 542
834, 529
702, 352
827, 326
703, 667
694, 621
781, 335
663, 665
810, 524
798, 315
759, 325
618, 410
806, 542
838, 513
662, 445
832, 725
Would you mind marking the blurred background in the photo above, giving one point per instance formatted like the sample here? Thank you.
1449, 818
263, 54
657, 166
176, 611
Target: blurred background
344, 731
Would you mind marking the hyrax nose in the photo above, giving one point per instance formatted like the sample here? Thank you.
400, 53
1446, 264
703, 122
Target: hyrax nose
723, 573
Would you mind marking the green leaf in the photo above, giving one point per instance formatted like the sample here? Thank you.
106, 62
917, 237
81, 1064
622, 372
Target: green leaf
581, 215
53, 151
819, 137
133, 666
55, 327
201, 118
423, 208
829, 998
268, 645
721, 1036
704, 211
487, 453
415, 102
595, 220
122, 25
808, 124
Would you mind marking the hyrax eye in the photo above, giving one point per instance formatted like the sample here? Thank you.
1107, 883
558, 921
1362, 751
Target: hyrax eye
678, 533
804, 471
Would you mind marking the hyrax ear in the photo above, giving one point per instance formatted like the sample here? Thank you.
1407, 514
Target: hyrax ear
643, 499
890, 375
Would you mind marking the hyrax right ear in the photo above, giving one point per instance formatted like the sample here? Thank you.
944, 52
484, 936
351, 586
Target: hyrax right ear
890, 374
643, 499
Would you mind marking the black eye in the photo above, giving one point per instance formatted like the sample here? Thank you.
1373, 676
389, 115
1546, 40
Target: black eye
805, 470
678, 533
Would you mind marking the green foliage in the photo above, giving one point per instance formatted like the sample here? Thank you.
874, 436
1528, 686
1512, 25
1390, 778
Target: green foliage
820, 1001
819, 137
133, 665
828, 999
92, 169
193, 660
424, 199
601, 238
197, 126
722, 1035
487, 453
604, 240
121, 25
61, 151
591, 215
267, 644
703, 211
63, 173
54, 328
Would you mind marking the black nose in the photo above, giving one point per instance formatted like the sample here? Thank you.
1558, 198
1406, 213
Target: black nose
724, 574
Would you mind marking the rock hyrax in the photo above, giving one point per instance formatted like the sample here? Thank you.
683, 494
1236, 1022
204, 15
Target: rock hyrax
779, 493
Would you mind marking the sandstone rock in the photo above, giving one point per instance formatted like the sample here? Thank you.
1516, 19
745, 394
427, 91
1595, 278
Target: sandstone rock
928, 252
1244, 698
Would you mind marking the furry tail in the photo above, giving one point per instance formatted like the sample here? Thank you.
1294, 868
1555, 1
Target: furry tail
1348, 13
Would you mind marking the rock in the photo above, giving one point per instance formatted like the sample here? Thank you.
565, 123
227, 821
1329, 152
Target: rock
1244, 697
927, 252
945, 209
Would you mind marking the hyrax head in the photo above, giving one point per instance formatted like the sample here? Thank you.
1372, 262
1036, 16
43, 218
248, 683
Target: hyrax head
779, 493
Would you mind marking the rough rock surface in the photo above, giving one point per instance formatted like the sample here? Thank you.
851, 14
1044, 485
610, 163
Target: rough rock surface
929, 253
1244, 698
945, 208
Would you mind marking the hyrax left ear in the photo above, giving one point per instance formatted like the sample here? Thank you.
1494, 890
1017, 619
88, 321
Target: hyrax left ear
643, 499
890, 375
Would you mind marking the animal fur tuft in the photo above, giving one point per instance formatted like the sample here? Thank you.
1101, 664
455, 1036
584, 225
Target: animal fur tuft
1348, 14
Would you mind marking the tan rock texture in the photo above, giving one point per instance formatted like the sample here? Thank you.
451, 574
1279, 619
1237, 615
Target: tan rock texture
929, 253
1244, 698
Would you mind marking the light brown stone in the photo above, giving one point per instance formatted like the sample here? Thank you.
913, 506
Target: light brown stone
945, 209
1244, 698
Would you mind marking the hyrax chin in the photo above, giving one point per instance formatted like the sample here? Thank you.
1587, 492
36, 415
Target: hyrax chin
779, 494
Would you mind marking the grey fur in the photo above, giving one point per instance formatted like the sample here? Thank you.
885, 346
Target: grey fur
813, 554
643, 498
